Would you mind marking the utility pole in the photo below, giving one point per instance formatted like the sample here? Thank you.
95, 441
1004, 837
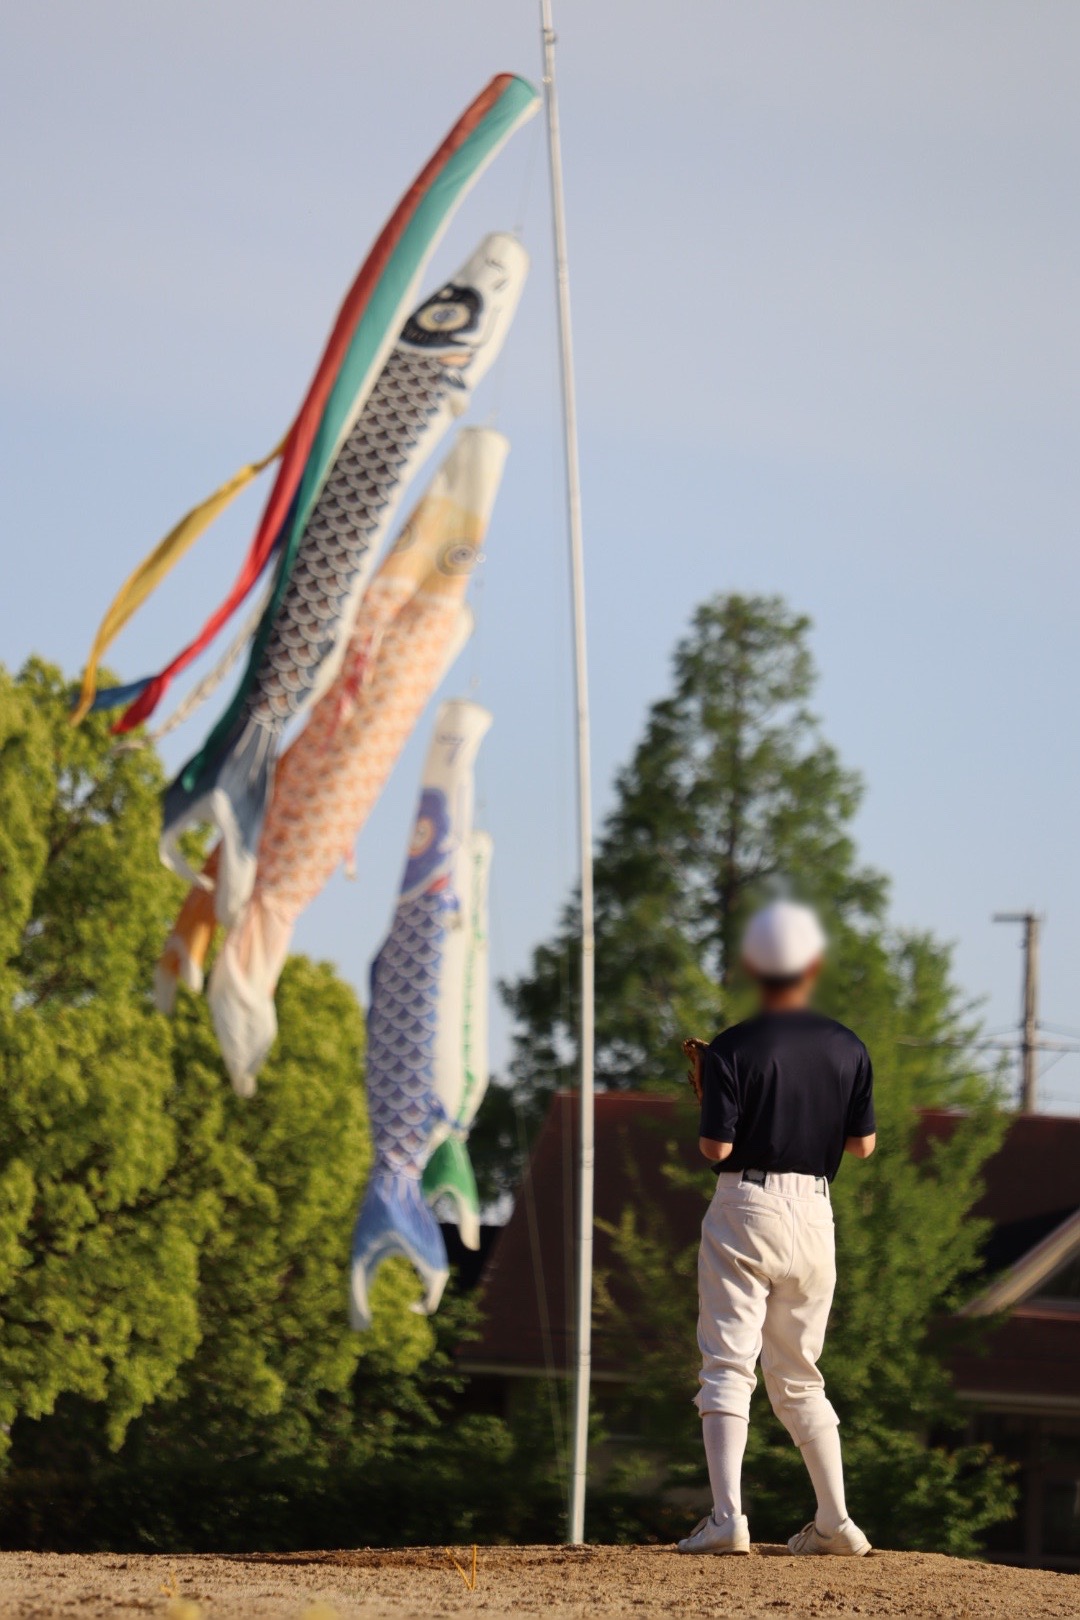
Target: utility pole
1029, 1023
1031, 1041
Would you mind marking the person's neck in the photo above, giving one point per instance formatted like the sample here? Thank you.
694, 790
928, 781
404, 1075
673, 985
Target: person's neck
793, 1000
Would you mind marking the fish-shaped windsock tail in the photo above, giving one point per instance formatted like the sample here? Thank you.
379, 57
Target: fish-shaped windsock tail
449, 1174
185, 951
176, 966
231, 789
394, 1219
241, 993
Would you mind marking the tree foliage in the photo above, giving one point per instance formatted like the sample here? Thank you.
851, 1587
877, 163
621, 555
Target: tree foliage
167, 1252
98, 1271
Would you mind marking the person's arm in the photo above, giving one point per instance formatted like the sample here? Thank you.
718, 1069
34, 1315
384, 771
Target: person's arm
861, 1147
719, 1107
861, 1133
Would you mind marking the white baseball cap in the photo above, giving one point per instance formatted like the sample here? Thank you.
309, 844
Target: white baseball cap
783, 940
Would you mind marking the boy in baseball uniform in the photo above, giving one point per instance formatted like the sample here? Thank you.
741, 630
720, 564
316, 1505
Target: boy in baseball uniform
784, 1096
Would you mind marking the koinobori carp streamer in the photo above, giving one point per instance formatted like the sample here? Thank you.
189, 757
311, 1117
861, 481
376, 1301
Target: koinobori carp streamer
443, 350
416, 1004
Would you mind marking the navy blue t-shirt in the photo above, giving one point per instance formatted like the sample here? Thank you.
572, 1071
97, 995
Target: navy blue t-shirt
788, 1089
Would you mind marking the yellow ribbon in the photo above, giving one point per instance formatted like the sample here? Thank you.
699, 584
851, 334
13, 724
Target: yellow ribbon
152, 570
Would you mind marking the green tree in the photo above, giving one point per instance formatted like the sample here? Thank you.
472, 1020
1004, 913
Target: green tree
733, 795
165, 1249
97, 1270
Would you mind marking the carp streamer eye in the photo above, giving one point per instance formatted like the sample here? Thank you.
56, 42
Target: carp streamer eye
423, 837
444, 317
444, 321
457, 557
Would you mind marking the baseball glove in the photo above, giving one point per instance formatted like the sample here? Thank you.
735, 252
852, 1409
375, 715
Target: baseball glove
695, 1051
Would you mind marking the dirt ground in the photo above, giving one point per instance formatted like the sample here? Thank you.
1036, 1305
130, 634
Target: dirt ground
553, 1582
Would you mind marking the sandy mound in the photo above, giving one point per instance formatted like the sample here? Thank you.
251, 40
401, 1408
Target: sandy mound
552, 1582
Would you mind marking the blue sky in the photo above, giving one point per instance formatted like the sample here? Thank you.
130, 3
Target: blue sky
825, 269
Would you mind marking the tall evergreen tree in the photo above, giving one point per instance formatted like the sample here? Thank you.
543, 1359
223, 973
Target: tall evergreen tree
731, 795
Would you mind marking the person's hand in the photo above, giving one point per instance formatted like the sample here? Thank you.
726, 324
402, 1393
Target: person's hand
695, 1050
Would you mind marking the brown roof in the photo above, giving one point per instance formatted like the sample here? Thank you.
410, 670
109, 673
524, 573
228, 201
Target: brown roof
1035, 1173
1030, 1361
1032, 1183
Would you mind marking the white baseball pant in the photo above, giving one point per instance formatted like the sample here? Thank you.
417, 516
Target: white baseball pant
766, 1275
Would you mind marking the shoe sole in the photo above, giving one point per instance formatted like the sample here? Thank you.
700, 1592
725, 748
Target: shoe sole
854, 1552
714, 1552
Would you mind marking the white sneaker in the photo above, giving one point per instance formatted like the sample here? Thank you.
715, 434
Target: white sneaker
731, 1535
848, 1542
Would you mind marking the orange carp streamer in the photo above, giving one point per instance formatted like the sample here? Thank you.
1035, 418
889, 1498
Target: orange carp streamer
411, 625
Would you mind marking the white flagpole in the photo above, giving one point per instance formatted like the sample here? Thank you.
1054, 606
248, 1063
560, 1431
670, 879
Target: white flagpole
583, 1340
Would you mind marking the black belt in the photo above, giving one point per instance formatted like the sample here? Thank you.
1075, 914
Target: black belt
760, 1177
